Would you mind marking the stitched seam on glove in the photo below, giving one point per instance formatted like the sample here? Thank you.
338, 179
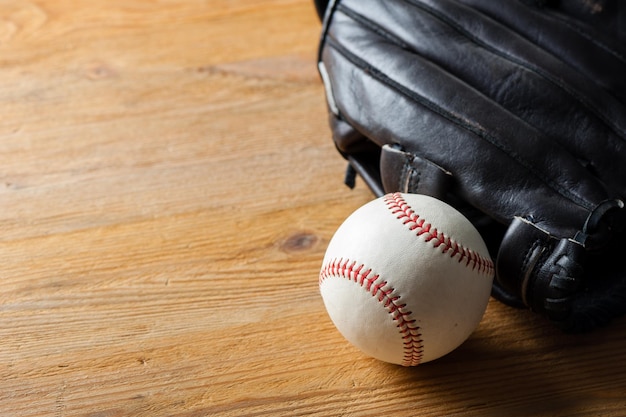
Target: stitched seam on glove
481, 133
590, 38
540, 10
524, 64
378, 29
373, 26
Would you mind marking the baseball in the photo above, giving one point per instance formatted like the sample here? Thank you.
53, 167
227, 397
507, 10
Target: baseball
406, 278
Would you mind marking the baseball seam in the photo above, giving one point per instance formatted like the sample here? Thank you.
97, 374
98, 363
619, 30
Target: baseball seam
417, 224
386, 295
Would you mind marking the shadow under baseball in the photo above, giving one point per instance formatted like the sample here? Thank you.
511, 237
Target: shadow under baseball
523, 366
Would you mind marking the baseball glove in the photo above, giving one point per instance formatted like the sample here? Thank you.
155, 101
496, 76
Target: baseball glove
512, 111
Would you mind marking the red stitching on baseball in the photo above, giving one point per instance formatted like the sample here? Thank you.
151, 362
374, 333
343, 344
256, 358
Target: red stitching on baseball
377, 287
420, 226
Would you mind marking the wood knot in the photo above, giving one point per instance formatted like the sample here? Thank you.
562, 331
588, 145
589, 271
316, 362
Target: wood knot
299, 242
99, 70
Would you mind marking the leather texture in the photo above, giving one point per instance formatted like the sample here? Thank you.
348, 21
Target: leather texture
512, 111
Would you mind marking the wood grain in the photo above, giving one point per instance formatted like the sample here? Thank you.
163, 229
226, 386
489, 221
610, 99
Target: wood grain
168, 187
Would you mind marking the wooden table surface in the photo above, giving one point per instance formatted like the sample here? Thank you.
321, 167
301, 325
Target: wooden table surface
168, 187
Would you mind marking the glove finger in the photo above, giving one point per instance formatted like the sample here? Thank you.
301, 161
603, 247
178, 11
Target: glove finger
554, 98
571, 26
452, 124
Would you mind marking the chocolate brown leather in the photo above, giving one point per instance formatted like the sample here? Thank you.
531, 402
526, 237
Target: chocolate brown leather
512, 111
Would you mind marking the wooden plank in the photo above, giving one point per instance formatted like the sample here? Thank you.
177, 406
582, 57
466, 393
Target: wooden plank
168, 187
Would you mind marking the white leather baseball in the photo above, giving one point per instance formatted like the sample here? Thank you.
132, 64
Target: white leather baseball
406, 278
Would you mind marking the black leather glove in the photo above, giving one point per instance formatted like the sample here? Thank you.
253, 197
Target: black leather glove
320, 7
512, 111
